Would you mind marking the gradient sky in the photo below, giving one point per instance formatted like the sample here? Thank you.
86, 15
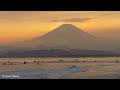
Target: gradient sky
18, 26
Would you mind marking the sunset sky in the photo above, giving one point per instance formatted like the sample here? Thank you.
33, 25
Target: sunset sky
18, 26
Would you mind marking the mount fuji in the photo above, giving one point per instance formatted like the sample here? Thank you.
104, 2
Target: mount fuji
65, 40
66, 36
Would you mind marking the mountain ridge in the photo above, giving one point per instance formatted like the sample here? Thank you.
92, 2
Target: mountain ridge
66, 36
64, 40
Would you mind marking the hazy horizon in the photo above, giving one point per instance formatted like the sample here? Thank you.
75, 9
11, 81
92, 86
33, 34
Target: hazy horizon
17, 26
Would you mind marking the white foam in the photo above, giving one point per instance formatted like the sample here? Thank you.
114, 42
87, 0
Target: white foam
48, 74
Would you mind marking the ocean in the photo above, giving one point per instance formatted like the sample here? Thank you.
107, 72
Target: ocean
60, 68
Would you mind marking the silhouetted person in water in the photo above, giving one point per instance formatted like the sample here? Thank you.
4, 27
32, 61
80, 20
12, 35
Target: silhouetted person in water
117, 61
34, 61
25, 62
8, 62
4, 63
38, 61
11, 63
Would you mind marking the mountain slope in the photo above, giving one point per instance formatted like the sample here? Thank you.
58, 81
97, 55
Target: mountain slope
66, 40
66, 36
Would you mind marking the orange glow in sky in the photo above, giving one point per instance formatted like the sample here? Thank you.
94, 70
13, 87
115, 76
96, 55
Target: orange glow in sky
18, 26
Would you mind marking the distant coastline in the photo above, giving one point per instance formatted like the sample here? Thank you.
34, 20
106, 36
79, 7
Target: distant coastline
79, 56
58, 54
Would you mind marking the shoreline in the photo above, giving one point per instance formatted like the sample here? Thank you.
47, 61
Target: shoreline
78, 56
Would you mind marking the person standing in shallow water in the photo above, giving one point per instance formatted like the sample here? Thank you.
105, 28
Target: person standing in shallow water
24, 62
117, 61
4, 63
